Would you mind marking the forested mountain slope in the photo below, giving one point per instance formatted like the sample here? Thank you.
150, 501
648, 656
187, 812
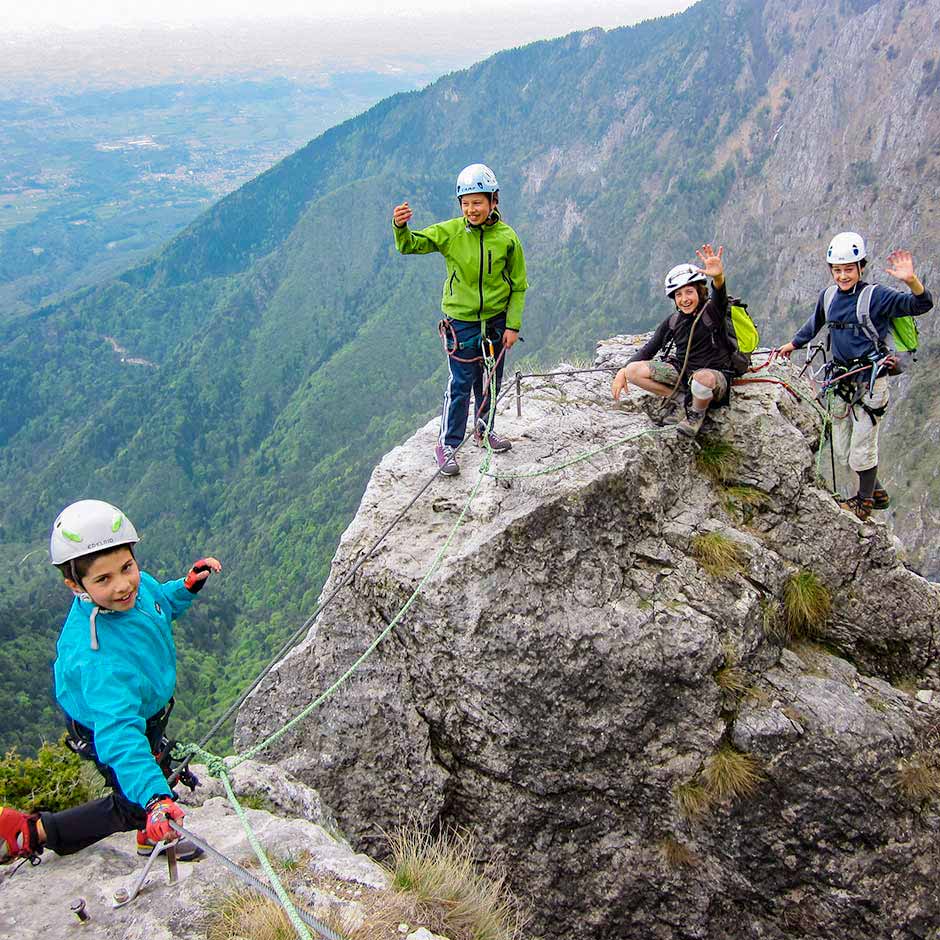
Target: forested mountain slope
234, 392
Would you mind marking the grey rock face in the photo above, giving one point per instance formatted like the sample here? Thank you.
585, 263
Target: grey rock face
36, 903
557, 678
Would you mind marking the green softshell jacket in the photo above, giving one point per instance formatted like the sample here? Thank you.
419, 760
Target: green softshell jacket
485, 268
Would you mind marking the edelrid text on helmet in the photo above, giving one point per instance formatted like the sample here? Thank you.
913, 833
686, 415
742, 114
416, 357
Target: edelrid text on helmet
87, 526
476, 178
681, 275
846, 248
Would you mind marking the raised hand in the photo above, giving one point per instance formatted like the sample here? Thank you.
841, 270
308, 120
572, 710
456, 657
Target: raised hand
901, 266
196, 576
711, 260
401, 214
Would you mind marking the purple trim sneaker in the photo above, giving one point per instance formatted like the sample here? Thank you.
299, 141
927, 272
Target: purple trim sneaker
446, 460
499, 445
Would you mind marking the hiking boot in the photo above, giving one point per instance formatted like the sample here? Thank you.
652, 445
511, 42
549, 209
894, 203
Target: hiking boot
880, 499
692, 423
18, 835
186, 851
861, 506
499, 445
446, 460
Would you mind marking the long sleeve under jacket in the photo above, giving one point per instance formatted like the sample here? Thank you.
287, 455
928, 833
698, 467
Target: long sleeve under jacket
847, 345
709, 348
486, 273
131, 676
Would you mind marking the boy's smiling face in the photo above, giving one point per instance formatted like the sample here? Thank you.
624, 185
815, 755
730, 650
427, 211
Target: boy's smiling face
476, 207
846, 276
112, 581
686, 299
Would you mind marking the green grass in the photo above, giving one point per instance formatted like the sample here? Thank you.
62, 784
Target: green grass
718, 460
745, 501
806, 605
718, 555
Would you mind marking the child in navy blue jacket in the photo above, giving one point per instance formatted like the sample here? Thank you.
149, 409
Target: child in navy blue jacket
853, 334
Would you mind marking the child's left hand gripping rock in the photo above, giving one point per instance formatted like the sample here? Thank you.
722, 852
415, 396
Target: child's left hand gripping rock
197, 575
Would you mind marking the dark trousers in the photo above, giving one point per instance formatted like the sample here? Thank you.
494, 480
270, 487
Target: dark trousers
72, 830
467, 376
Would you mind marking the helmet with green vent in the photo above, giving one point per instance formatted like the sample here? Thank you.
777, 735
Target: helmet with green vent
90, 525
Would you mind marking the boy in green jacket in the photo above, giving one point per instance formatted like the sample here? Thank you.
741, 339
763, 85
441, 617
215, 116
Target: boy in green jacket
482, 301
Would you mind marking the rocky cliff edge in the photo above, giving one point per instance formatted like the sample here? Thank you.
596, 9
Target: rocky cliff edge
647, 738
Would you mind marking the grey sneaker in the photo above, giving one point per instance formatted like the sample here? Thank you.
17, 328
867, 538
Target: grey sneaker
499, 445
692, 423
446, 460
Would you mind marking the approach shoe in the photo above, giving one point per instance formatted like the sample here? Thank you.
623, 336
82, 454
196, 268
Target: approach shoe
18, 835
499, 445
880, 499
861, 506
446, 460
692, 423
186, 851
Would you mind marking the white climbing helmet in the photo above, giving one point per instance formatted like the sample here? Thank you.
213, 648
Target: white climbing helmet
476, 178
846, 248
87, 526
681, 275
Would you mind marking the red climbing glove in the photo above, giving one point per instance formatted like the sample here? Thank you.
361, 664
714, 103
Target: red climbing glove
159, 810
18, 836
192, 582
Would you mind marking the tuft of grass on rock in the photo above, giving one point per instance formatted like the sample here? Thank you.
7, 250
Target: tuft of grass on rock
718, 460
693, 799
918, 778
718, 555
730, 774
677, 855
806, 605
462, 900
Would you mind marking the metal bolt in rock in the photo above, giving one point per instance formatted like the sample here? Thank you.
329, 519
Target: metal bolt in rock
78, 909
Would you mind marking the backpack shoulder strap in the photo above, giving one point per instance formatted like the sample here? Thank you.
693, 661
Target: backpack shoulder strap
829, 295
863, 313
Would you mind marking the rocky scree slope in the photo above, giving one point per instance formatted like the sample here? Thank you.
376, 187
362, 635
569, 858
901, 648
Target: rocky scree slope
563, 684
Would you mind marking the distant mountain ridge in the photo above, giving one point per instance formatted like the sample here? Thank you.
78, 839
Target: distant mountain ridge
294, 346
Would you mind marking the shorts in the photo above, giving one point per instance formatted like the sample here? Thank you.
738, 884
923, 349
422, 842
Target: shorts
668, 374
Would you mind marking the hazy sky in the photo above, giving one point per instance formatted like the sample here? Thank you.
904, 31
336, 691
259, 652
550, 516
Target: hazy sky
48, 15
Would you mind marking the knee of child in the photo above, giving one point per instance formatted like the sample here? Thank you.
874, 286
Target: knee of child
638, 370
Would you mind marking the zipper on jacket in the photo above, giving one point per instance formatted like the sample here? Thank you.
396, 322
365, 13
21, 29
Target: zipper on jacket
480, 312
489, 261
451, 283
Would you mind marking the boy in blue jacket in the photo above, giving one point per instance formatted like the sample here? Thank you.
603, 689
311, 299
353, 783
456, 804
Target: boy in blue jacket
862, 352
115, 673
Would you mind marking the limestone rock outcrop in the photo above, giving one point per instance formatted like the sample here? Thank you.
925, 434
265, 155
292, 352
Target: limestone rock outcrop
36, 903
576, 687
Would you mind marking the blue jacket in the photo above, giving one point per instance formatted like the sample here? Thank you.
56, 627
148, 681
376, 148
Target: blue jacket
114, 690
850, 344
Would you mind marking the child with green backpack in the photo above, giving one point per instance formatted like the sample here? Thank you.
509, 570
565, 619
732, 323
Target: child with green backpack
695, 352
867, 344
